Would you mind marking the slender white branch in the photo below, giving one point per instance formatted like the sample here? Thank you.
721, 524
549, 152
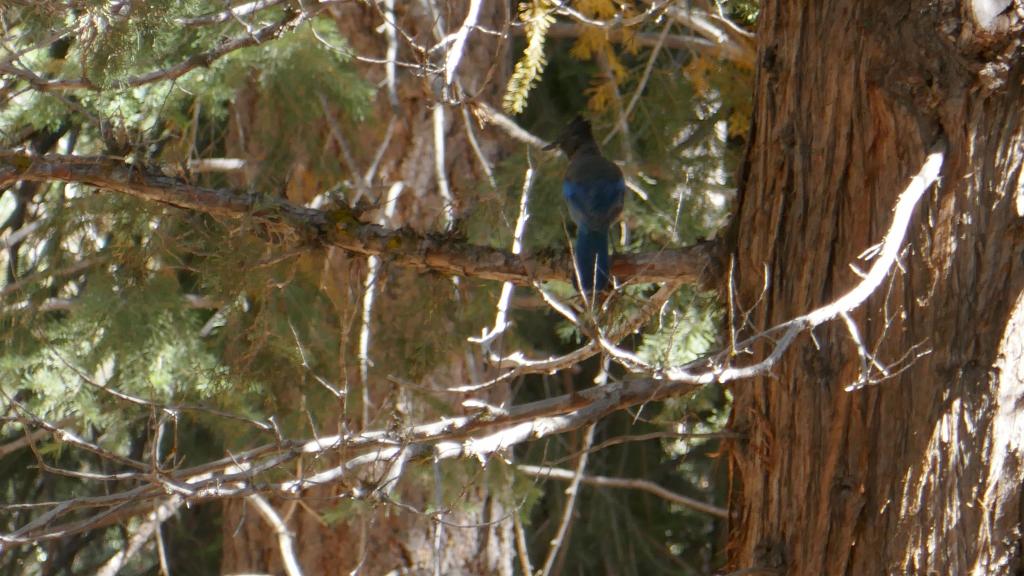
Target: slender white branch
884, 263
140, 535
644, 78
284, 537
440, 171
451, 63
891, 244
390, 68
507, 288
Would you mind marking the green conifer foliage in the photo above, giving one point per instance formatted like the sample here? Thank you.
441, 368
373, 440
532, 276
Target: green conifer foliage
175, 337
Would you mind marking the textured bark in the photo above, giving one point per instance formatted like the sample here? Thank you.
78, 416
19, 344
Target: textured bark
920, 474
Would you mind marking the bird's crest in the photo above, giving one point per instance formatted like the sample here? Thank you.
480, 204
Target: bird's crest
573, 136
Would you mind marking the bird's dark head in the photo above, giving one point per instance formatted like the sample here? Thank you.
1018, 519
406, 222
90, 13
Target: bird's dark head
574, 137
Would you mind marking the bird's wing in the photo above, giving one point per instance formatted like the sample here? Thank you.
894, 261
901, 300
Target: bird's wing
595, 204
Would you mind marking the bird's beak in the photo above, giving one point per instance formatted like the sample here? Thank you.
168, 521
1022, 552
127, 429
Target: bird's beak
551, 146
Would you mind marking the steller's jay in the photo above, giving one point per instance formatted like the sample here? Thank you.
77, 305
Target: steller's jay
594, 190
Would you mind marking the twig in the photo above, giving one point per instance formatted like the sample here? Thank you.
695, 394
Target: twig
507, 288
265, 34
362, 188
309, 368
521, 549
672, 41
642, 84
616, 22
567, 512
520, 364
284, 537
631, 483
454, 56
887, 256
474, 143
487, 114
140, 535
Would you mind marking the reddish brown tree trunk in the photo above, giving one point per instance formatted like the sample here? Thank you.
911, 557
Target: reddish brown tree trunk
920, 474
380, 538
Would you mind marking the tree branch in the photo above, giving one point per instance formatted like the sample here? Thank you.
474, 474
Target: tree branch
631, 483
341, 228
265, 34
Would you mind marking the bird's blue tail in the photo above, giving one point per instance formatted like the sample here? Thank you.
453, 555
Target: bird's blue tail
592, 260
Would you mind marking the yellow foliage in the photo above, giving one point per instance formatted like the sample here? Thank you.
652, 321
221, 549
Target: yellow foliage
537, 16
602, 9
739, 122
602, 93
629, 43
615, 65
590, 42
697, 71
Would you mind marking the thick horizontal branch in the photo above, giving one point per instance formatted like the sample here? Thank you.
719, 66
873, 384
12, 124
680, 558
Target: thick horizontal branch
341, 228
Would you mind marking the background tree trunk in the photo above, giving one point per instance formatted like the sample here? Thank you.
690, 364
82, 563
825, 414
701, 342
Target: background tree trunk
385, 538
921, 473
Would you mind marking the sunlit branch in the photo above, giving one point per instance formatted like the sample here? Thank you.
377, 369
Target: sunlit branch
884, 262
504, 301
284, 538
518, 363
459, 44
140, 535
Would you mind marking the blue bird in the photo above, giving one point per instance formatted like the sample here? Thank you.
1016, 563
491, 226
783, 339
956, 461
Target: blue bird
594, 190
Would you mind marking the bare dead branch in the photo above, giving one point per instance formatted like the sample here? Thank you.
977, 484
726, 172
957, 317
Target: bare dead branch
616, 22
641, 85
488, 115
140, 535
519, 364
884, 262
732, 47
69, 271
500, 320
284, 536
459, 43
29, 438
203, 165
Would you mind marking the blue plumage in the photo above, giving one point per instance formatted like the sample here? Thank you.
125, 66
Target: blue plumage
594, 191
